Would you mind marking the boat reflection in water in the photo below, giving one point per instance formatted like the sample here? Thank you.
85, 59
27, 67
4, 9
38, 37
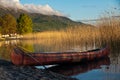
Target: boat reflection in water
74, 69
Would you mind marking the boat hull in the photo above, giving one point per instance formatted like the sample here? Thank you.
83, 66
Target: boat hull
19, 57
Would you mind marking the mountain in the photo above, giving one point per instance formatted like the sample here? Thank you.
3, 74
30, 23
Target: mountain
52, 22
42, 22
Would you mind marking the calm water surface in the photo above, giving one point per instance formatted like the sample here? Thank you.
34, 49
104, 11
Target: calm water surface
103, 69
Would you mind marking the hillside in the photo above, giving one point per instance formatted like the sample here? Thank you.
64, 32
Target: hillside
42, 22
46, 22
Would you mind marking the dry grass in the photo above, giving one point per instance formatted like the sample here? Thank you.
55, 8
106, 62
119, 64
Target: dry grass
110, 30
107, 32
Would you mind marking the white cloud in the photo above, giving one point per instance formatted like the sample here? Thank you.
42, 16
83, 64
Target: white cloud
11, 3
43, 9
46, 9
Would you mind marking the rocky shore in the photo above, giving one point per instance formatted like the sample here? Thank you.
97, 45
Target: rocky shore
8, 71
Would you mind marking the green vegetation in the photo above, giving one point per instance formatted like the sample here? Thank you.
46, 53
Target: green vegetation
48, 23
24, 24
8, 24
42, 22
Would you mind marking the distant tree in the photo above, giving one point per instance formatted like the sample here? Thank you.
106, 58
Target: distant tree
0, 24
24, 24
8, 24
0, 21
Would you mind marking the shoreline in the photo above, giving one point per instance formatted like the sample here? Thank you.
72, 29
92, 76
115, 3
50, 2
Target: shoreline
9, 71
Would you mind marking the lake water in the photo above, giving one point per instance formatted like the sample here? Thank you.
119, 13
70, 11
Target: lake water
103, 69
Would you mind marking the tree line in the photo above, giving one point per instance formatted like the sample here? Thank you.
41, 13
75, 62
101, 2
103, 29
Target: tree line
10, 25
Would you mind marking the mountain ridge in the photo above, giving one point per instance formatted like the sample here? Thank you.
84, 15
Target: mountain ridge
42, 22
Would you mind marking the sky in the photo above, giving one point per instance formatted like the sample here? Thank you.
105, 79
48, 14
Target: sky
78, 9
74, 9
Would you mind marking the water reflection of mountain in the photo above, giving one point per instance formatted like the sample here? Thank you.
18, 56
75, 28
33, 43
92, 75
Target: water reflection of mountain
74, 69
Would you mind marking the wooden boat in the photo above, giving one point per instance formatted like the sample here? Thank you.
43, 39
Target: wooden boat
21, 57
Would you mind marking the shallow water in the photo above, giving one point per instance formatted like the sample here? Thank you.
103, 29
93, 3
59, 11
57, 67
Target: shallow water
103, 69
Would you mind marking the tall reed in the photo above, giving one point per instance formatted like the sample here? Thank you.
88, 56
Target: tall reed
107, 32
109, 29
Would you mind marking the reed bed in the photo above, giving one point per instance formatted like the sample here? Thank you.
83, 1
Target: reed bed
107, 32
68, 39
110, 30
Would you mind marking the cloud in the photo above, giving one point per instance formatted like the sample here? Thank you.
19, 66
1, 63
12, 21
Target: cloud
32, 8
46, 9
11, 3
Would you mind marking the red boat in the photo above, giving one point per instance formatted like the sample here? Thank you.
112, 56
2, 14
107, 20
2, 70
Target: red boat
20, 57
